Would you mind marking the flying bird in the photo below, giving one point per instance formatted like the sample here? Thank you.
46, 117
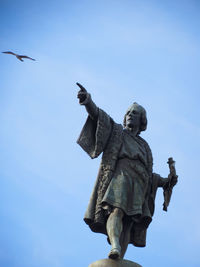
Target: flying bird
18, 56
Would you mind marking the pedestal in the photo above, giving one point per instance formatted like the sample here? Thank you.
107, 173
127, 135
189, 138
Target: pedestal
114, 263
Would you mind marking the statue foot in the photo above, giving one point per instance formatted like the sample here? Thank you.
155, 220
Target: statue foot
114, 253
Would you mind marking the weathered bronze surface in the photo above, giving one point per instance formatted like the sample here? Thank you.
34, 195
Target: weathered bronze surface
122, 202
114, 263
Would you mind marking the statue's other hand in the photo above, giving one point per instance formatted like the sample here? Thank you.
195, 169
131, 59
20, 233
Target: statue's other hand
82, 93
174, 180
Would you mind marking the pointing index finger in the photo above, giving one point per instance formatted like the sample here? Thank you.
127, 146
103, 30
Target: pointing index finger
81, 87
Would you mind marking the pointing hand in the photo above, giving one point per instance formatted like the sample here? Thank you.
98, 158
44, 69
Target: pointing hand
82, 93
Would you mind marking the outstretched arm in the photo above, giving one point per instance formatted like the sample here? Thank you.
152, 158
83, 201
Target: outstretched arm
86, 100
98, 127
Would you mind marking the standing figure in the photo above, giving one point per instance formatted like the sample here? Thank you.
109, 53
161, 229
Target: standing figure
122, 202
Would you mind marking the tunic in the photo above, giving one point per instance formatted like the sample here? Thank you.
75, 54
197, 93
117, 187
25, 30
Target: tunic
129, 183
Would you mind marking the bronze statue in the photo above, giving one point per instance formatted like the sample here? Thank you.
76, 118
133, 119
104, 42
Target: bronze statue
122, 202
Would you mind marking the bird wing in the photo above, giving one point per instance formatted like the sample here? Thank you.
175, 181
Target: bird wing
26, 57
18, 57
9, 52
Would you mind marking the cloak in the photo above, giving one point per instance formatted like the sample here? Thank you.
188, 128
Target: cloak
105, 136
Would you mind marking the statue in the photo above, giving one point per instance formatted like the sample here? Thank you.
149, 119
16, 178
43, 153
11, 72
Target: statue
122, 202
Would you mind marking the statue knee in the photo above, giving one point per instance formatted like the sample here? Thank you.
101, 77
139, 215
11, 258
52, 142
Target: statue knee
118, 212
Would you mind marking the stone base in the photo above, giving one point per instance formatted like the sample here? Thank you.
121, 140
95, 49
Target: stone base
114, 263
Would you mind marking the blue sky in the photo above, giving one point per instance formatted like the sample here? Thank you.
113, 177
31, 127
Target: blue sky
121, 51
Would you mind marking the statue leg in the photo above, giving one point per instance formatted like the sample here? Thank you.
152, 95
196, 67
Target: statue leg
125, 238
114, 229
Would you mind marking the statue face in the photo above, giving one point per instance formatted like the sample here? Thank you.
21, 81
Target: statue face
133, 116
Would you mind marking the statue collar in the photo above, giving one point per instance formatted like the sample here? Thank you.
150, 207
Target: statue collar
130, 133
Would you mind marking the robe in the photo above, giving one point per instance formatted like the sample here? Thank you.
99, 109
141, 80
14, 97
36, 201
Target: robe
107, 137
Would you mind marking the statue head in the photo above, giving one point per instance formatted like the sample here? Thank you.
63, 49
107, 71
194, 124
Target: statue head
135, 117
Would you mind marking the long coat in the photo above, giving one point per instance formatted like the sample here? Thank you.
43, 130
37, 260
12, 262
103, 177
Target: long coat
106, 136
